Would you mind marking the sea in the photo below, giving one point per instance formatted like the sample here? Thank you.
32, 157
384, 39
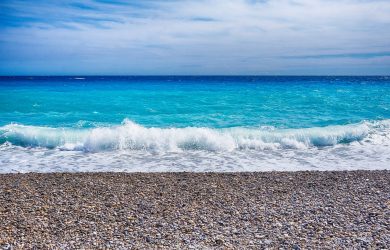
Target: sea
194, 123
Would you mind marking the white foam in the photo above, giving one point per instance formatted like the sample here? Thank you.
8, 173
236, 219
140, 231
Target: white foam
345, 157
131, 147
132, 136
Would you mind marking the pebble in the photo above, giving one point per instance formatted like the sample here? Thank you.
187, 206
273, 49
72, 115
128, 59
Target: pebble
287, 210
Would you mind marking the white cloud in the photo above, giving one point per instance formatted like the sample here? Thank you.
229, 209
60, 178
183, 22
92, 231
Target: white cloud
204, 37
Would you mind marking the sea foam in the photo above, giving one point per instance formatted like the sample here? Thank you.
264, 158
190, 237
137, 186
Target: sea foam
132, 136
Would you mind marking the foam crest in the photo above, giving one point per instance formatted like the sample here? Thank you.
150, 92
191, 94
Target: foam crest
132, 136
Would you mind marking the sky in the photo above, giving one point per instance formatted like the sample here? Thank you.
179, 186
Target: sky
213, 37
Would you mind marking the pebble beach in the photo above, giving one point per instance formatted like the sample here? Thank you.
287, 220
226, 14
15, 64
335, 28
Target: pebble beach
291, 210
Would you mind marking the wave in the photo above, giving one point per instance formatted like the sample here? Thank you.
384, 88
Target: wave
132, 136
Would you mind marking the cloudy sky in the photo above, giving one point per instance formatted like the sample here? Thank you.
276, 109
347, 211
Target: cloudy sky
213, 37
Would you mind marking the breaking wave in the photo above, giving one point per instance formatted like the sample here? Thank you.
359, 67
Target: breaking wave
132, 136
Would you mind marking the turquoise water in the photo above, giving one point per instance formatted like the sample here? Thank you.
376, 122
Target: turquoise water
258, 118
217, 102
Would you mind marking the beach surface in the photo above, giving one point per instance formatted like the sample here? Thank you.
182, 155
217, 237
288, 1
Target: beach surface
294, 210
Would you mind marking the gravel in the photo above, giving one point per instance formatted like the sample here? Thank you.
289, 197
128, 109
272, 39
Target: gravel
292, 210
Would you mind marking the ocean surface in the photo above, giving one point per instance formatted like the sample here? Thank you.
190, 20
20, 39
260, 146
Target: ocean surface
177, 123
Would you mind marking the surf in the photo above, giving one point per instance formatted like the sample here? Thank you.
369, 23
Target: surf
132, 136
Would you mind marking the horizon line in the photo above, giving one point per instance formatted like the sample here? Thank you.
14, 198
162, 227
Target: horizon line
182, 75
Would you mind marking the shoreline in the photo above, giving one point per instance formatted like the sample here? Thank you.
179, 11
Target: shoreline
303, 209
